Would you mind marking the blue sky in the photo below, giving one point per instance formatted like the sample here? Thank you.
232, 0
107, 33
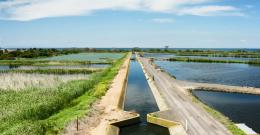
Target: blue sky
130, 23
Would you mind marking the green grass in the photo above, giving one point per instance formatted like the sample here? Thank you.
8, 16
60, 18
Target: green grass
220, 117
48, 62
47, 111
52, 71
221, 54
205, 60
97, 57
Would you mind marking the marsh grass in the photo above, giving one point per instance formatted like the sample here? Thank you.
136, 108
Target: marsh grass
52, 71
48, 62
37, 111
62, 67
21, 81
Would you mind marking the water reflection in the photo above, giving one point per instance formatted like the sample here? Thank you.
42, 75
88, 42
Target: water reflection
221, 73
241, 108
139, 98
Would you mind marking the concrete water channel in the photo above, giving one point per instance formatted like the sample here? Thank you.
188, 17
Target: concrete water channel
139, 98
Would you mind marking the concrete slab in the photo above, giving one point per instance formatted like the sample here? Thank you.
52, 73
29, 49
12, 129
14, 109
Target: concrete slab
246, 129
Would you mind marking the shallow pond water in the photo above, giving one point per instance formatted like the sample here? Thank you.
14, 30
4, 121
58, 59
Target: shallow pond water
221, 73
240, 108
97, 57
139, 98
6, 67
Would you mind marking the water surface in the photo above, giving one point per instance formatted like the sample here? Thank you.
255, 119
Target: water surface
169, 55
221, 73
240, 108
139, 98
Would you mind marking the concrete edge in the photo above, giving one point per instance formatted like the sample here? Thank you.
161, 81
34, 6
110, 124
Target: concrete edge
153, 118
113, 128
127, 121
121, 100
175, 128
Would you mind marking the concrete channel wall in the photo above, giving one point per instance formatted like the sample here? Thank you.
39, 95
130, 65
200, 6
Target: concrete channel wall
161, 117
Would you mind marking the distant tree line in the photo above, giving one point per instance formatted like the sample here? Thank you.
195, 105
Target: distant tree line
7, 54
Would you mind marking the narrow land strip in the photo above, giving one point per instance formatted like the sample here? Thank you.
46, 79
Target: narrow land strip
196, 120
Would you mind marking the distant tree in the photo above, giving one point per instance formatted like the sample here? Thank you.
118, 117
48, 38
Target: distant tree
136, 49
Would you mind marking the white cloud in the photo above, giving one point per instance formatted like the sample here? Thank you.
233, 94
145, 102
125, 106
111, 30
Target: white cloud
243, 41
212, 11
25, 10
163, 20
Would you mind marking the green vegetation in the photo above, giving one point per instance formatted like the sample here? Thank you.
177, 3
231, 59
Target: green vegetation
52, 71
220, 117
25, 81
33, 53
215, 53
47, 111
97, 57
6, 54
186, 59
242, 53
47, 62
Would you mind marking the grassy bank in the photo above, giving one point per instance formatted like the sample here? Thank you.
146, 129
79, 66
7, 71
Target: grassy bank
240, 53
52, 71
212, 53
219, 116
186, 59
47, 111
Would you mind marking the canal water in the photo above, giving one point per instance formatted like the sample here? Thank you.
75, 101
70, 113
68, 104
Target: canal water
139, 98
240, 108
221, 73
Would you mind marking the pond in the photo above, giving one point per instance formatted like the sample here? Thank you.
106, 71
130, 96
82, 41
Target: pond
221, 73
6, 67
240, 108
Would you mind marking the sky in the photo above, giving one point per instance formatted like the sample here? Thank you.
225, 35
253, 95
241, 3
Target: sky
130, 23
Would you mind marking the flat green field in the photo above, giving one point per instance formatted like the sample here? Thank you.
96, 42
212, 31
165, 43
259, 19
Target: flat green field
96, 57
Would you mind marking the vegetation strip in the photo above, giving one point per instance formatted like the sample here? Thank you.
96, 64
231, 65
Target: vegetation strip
47, 111
219, 116
207, 53
186, 59
53, 71
47, 62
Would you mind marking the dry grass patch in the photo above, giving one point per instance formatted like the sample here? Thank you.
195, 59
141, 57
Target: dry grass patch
20, 81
